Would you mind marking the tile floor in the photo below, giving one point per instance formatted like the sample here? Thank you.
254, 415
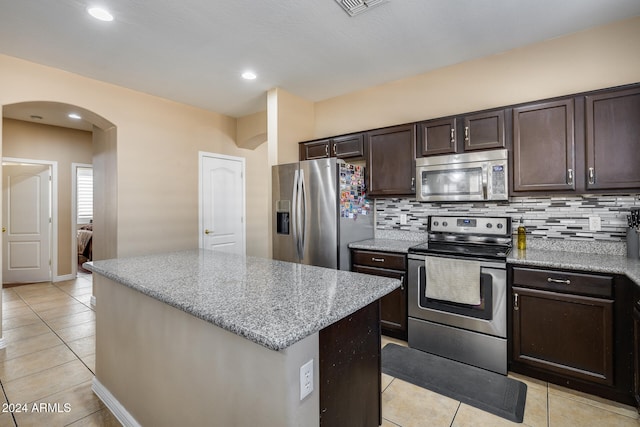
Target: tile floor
50, 358
548, 405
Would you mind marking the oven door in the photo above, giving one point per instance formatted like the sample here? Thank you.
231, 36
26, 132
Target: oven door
490, 317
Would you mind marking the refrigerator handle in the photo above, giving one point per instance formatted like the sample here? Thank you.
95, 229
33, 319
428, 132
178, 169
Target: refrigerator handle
302, 213
294, 212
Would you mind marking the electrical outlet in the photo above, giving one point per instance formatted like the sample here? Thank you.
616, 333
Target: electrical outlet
594, 223
306, 379
403, 219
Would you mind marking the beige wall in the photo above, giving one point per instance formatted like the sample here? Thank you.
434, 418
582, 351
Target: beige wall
157, 156
157, 211
27, 140
598, 58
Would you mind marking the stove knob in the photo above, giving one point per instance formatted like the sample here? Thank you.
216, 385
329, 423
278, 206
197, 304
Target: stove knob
444, 224
489, 225
435, 223
499, 225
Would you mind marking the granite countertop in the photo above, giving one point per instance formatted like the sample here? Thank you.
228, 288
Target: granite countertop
386, 245
547, 256
272, 303
600, 263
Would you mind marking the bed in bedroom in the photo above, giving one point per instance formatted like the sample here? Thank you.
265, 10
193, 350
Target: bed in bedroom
85, 235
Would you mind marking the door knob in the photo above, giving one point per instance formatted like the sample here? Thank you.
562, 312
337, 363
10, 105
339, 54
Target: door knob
207, 231
4, 229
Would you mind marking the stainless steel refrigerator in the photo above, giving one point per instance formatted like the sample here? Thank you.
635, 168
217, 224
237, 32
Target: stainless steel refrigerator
319, 207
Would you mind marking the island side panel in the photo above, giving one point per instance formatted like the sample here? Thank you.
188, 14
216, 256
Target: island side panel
350, 371
168, 368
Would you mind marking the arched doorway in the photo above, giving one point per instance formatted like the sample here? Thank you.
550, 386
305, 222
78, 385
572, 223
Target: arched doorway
101, 135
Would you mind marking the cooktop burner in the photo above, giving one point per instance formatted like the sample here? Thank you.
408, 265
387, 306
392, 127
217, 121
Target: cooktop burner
475, 237
461, 249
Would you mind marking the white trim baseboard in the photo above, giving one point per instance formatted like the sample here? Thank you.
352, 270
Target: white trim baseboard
63, 278
112, 403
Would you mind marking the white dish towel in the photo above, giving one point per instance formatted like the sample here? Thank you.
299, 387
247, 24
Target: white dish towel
453, 280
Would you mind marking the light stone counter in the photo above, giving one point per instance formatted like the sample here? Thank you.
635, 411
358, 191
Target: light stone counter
385, 245
188, 338
600, 263
272, 303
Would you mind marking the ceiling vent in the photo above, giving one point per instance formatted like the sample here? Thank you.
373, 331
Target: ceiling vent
356, 7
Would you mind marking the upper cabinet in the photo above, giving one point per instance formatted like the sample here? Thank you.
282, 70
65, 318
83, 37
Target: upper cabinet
587, 143
613, 139
391, 161
437, 137
480, 131
484, 131
315, 149
544, 146
343, 147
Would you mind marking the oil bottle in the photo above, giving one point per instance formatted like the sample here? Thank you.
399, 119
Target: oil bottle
522, 235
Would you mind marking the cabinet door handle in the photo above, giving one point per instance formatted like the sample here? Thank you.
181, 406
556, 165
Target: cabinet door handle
413, 183
570, 176
592, 176
453, 136
377, 259
402, 283
515, 303
565, 282
335, 152
326, 150
466, 134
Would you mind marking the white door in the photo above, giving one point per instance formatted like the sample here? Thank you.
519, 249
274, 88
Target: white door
27, 223
222, 203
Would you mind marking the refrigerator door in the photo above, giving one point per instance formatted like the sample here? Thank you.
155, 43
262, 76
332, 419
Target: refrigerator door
355, 213
283, 210
318, 204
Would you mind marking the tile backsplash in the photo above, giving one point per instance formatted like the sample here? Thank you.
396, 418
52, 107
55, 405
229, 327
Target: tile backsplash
558, 217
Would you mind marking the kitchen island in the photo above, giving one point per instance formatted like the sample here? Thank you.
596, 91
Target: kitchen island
208, 338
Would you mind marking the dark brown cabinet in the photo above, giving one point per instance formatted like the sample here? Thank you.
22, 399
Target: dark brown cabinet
315, 150
636, 352
349, 368
544, 147
613, 139
483, 131
437, 137
391, 161
393, 307
563, 323
480, 131
348, 146
343, 147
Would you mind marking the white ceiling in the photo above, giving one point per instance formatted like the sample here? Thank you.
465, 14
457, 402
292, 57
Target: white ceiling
193, 51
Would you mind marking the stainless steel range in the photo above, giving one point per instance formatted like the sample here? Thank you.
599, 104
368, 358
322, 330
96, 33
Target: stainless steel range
457, 284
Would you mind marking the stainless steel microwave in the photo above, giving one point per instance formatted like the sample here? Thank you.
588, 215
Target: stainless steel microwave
481, 175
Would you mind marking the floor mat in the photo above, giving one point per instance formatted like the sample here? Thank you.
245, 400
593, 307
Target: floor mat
486, 390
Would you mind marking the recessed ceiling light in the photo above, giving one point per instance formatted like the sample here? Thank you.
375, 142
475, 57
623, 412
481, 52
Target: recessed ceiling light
74, 116
248, 75
100, 13
36, 117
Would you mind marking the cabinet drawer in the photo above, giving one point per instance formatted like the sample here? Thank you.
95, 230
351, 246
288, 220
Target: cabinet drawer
378, 259
563, 281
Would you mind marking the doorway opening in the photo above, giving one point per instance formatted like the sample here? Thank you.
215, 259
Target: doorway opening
82, 214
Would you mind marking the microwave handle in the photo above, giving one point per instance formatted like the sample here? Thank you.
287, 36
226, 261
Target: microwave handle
485, 180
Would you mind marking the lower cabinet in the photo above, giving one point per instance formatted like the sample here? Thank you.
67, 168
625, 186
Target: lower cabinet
567, 328
636, 351
393, 307
350, 384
